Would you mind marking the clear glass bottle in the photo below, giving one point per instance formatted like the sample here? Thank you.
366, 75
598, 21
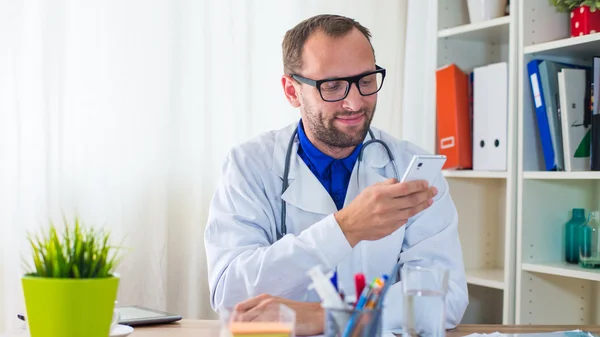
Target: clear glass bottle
589, 241
571, 235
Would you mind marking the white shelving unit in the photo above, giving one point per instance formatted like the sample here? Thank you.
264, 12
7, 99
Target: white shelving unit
548, 290
485, 200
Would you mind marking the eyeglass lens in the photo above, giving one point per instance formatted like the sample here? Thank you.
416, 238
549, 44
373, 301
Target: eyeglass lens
336, 89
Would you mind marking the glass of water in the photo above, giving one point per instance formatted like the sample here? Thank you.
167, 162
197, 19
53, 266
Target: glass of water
424, 290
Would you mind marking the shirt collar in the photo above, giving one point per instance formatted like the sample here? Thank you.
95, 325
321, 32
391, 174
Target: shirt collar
320, 160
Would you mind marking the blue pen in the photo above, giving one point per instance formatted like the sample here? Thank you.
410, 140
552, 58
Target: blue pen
359, 306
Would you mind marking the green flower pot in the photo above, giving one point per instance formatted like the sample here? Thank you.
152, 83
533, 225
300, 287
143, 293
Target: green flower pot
60, 307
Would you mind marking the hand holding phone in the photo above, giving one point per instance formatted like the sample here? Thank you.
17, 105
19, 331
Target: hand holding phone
382, 208
424, 167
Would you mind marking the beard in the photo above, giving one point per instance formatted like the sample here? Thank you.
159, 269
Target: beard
326, 132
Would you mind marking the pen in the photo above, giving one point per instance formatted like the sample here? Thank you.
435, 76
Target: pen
21, 317
334, 280
360, 303
359, 282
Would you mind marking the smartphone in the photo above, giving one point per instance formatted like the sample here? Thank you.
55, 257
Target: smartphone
424, 167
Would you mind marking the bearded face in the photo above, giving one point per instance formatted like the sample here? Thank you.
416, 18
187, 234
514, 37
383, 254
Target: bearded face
337, 129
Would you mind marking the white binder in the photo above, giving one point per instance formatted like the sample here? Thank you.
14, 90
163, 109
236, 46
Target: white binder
571, 90
490, 117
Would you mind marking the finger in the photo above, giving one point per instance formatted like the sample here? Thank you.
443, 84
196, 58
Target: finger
263, 309
411, 200
408, 213
251, 303
407, 188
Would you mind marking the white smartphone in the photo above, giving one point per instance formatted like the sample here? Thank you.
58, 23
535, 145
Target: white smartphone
424, 167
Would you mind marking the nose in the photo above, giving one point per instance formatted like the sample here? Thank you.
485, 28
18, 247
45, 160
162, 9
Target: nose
354, 100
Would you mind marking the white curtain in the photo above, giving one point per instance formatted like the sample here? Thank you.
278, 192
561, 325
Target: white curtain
122, 111
418, 109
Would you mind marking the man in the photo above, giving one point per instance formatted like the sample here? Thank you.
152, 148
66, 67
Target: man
346, 215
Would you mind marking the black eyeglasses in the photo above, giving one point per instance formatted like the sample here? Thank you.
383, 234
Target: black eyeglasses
336, 89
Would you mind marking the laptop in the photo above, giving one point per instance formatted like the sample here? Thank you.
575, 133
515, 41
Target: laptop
138, 315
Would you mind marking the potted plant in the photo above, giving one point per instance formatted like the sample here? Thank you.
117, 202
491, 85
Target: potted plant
585, 16
70, 289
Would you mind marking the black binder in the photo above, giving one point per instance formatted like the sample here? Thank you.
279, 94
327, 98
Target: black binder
595, 145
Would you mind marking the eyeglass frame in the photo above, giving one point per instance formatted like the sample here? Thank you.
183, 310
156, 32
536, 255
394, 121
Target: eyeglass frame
350, 79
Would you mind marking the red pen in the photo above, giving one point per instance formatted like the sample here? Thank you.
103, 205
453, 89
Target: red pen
360, 283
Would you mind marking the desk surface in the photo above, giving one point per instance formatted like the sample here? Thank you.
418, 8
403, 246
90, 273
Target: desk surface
195, 328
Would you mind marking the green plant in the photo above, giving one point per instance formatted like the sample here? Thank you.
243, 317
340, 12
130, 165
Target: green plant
569, 5
79, 252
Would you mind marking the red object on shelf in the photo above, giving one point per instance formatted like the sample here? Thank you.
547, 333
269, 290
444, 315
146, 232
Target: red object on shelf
584, 21
453, 135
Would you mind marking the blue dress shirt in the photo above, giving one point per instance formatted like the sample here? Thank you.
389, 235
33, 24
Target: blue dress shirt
334, 174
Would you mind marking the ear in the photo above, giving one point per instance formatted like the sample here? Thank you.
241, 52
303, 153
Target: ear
290, 90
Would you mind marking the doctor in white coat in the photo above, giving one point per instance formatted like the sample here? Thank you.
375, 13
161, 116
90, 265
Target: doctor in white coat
344, 213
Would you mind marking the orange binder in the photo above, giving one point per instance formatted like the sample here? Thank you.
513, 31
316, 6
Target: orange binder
452, 113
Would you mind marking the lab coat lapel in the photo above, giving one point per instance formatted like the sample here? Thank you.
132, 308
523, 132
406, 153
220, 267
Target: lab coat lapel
305, 191
367, 172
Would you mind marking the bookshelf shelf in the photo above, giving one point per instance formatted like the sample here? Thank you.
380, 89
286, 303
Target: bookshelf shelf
495, 30
491, 278
591, 175
484, 199
581, 46
563, 269
474, 174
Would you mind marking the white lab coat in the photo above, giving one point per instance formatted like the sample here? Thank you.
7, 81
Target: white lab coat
245, 260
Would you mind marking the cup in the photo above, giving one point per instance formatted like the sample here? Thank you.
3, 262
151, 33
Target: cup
275, 320
352, 322
424, 290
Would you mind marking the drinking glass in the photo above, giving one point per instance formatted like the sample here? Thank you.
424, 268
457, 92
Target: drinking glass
424, 289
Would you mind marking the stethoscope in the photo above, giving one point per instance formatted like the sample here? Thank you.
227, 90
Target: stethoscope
286, 171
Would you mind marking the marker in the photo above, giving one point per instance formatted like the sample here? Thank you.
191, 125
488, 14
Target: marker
360, 283
334, 280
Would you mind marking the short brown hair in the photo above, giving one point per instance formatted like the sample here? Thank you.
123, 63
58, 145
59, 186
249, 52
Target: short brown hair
331, 25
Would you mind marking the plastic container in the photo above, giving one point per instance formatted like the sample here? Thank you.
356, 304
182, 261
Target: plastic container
276, 320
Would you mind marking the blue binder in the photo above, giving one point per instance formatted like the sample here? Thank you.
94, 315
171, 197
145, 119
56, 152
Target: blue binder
540, 112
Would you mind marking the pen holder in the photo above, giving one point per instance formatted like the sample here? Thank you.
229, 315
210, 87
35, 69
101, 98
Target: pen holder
352, 322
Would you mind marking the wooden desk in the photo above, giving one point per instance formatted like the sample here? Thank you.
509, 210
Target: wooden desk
197, 328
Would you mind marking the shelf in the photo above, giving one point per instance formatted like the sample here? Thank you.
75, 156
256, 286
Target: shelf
474, 174
563, 269
495, 30
491, 278
581, 46
561, 175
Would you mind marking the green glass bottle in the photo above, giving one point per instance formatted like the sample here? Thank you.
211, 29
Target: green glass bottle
589, 241
571, 235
